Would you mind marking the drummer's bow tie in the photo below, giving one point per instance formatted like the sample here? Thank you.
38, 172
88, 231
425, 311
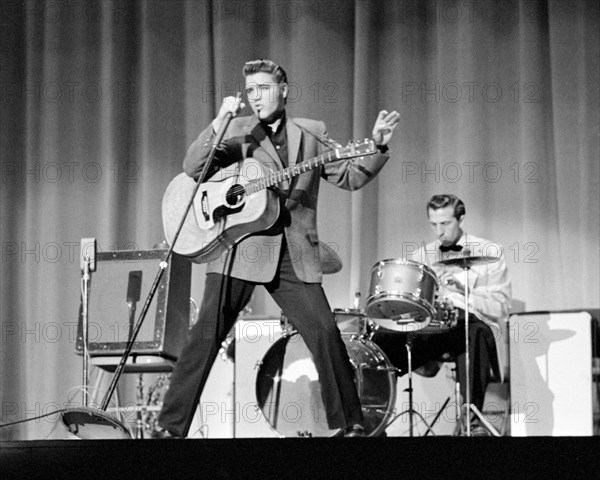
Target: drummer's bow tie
451, 248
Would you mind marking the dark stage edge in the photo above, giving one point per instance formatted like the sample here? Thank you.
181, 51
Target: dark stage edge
332, 458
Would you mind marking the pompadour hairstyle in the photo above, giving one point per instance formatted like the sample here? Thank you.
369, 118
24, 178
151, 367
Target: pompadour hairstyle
267, 66
446, 200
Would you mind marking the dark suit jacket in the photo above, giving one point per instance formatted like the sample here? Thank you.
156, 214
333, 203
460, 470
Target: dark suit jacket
256, 256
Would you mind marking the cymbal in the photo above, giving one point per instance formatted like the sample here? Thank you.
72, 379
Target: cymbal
330, 260
466, 262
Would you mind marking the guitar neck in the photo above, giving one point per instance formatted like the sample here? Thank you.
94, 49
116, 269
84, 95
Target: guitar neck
290, 172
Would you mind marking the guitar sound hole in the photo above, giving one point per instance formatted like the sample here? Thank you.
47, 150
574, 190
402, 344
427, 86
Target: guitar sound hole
234, 195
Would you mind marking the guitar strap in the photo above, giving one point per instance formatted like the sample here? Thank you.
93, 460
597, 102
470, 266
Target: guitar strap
323, 139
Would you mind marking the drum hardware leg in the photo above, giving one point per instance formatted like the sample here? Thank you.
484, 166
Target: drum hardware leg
457, 403
139, 422
484, 422
120, 411
464, 411
99, 377
437, 417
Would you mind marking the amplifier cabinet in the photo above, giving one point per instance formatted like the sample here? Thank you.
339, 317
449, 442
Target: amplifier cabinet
551, 374
123, 275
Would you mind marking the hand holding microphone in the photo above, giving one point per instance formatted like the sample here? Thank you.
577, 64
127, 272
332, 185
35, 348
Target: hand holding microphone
231, 106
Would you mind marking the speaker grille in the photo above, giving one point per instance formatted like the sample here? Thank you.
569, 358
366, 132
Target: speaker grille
165, 327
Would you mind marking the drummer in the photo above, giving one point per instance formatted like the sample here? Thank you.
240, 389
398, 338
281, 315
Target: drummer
490, 297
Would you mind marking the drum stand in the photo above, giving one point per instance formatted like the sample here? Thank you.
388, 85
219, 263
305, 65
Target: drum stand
468, 407
411, 411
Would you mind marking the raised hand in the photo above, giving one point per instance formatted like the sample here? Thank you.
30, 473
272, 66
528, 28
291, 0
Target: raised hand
384, 126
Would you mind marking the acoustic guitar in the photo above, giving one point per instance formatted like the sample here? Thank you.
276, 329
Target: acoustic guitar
235, 202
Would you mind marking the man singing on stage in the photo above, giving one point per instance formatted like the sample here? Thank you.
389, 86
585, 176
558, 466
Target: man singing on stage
288, 264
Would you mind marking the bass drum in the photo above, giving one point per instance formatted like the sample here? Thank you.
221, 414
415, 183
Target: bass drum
289, 394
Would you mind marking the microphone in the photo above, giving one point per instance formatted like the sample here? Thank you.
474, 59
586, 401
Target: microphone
88, 253
134, 286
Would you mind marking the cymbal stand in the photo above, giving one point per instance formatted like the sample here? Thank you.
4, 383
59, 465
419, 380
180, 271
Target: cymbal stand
468, 407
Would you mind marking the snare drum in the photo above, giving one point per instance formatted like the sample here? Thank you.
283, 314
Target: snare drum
289, 394
402, 295
446, 318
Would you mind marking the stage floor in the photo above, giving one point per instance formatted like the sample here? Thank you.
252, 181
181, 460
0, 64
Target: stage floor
444, 457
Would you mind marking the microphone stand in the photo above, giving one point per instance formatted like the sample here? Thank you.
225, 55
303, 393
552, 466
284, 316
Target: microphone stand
76, 416
84, 327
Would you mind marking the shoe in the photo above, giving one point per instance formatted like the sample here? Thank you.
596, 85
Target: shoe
479, 431
162, 434
355, 430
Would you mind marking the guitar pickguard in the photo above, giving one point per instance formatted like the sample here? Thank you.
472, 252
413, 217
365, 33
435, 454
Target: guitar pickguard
223, 211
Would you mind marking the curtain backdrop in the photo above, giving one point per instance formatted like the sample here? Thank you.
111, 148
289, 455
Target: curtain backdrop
100, 100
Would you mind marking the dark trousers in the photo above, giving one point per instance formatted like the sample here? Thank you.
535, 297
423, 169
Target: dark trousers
436, 347
306, 308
